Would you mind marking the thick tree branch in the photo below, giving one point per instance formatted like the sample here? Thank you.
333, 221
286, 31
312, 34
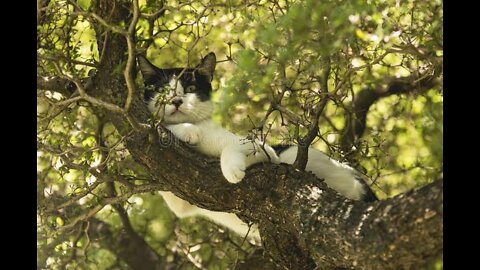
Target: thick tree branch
391, 234
367, 97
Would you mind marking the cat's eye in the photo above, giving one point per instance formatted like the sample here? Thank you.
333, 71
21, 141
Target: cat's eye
191, 88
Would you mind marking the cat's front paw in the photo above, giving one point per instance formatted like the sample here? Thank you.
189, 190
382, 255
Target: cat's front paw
186, 132
192, 136
233, 170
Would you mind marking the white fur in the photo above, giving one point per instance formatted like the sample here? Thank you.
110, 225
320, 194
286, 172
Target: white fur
186, 132
182, 209
175, 84
337, 176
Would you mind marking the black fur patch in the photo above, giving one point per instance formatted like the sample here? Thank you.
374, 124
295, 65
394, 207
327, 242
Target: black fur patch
369, 196
280, 148
156, 79
157, 83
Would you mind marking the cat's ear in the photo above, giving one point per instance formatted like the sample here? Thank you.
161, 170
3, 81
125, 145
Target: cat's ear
207, 66
149, 71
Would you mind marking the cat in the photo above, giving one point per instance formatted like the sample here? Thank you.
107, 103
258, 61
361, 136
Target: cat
187, 114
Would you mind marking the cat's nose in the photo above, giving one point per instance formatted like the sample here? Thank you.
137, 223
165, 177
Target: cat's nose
177, 102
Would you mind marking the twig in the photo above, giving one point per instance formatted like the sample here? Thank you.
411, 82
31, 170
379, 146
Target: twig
128, 73
304, 143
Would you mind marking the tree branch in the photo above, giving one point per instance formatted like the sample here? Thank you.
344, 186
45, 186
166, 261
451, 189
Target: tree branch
370, 236
127, 246
131, 60
367, 97
304, 143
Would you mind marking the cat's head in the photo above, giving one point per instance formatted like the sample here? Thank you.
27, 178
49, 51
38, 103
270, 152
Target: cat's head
185, 92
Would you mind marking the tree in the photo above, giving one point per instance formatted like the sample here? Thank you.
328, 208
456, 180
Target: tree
361, 81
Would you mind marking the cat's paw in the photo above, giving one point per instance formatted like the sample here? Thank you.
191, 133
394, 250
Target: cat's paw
192, 136
186, 132
233, 170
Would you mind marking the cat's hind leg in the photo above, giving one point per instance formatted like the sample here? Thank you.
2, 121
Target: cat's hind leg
179, 207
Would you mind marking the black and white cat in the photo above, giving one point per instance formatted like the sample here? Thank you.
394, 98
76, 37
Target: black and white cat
187, 114
186, 110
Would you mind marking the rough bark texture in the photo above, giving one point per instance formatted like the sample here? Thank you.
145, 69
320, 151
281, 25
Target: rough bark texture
303, 223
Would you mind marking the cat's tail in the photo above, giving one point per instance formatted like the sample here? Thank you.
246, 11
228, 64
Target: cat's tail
368, 196
338, 176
